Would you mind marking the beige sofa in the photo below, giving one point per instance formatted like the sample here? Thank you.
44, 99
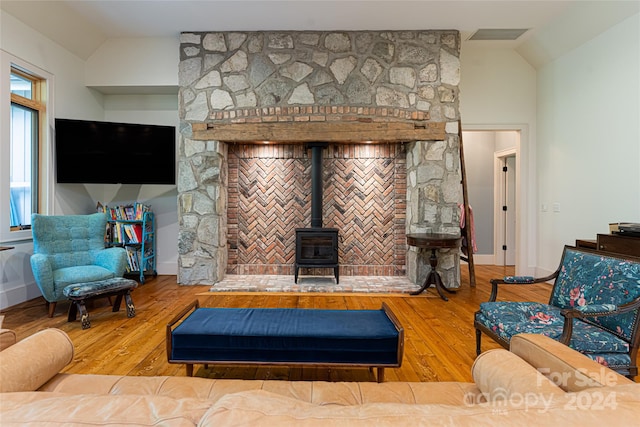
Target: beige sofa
538, 381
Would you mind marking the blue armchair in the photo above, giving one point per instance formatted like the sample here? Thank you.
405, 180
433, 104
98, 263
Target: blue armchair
69, 249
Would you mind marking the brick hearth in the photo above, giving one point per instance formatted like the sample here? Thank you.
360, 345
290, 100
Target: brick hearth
282, 283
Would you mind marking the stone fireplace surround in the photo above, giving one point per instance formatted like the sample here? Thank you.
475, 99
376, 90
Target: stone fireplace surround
238, 89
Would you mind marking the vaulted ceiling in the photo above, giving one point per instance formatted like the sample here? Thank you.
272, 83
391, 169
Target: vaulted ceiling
553, 27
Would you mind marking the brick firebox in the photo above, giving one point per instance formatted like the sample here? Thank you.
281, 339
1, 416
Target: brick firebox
364, 198
398, 89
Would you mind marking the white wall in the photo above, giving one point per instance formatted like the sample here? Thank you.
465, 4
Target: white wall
589, 140
125, 63
163, 199
498, 92
71, 98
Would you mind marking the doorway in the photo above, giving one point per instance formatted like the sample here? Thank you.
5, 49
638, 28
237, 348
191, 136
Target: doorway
492, 165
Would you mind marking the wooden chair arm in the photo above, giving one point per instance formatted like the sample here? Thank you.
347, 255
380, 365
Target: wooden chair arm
517, 280
600, 310
567, 330
593, 310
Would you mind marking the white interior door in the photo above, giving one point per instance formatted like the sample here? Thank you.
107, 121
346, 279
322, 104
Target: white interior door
506, 208
510, 212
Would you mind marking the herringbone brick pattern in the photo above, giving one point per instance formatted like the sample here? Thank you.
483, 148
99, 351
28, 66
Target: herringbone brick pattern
270, 196
359, 202
272, 202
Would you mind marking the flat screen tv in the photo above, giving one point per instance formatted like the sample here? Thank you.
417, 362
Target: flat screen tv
93, 152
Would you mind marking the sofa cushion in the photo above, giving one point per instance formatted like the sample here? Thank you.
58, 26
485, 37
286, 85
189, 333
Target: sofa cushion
259, 408
7, 337
59, 409
33, 361
501, 375
566, 367
320, 392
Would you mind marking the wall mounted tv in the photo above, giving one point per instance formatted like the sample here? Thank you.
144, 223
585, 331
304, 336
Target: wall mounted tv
92, 152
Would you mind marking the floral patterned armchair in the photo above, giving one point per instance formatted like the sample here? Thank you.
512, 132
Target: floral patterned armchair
594, 308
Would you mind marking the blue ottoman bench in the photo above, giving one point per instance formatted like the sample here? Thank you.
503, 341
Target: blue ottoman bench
79, 293
286, 336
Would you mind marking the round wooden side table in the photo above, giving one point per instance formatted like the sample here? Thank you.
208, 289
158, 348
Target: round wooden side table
434, 241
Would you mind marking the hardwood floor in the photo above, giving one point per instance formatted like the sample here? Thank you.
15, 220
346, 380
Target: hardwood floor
439, 335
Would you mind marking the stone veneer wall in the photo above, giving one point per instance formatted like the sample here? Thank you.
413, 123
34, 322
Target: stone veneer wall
324, 77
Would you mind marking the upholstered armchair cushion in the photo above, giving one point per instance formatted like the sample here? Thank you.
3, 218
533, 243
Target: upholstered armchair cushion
512, 318
589, 279
69, 249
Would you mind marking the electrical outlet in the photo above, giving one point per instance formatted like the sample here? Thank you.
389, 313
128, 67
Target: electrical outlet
556, 207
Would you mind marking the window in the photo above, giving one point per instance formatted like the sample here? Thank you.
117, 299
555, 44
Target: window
24, 147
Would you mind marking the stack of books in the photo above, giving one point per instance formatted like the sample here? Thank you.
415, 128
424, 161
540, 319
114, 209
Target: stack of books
133, 212
127, 233
132, 258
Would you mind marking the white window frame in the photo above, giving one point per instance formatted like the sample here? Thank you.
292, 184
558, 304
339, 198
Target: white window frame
46, 175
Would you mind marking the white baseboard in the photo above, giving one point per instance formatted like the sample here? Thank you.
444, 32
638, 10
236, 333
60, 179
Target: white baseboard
18, 294
484, 259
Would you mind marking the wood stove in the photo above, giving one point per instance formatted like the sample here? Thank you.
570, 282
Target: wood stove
317, 247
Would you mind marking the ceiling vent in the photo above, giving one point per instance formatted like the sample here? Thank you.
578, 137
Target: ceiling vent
498, 34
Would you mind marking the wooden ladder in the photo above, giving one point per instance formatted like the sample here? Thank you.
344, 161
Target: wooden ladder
466, 231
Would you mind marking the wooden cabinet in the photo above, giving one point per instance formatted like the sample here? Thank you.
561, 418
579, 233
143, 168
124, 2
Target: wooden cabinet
587, 243
618, 244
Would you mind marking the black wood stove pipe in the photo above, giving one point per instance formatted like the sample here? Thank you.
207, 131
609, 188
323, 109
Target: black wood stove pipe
316, 182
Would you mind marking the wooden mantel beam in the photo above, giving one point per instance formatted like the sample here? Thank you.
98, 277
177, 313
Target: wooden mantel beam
336, 132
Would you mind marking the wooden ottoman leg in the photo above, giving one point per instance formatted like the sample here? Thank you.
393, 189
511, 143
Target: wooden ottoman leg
84, 316
189, 369
131, 309
73, 311
117, 302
